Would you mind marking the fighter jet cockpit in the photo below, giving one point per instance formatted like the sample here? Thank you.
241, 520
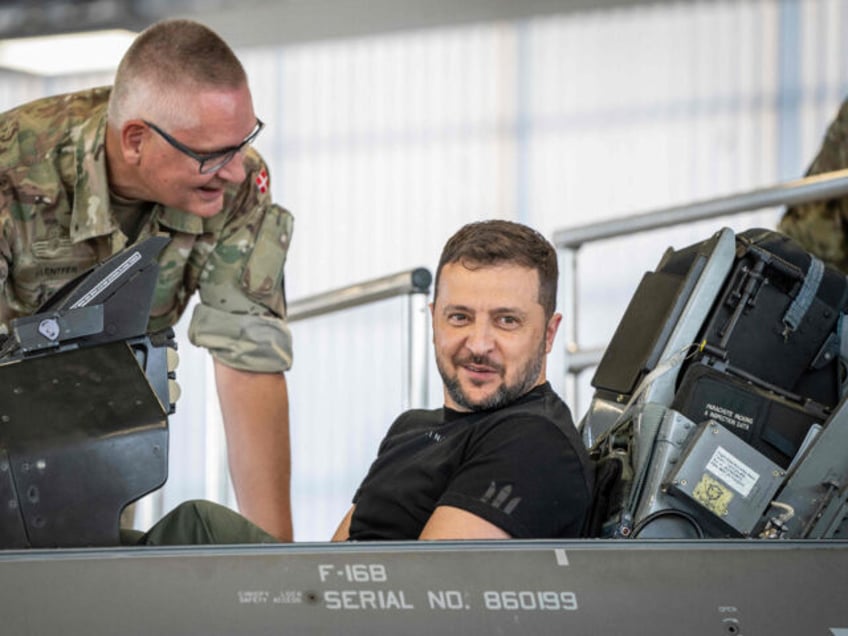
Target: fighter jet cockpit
719, 404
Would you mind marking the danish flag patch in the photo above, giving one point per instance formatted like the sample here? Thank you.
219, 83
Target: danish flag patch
262, 182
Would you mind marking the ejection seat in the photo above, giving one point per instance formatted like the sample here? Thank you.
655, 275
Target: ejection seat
719, 406
84, 399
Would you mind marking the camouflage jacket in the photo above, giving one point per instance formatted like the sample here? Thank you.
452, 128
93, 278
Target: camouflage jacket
56, 222
821, 227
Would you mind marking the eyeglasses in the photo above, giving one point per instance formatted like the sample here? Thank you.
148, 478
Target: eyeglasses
209, 161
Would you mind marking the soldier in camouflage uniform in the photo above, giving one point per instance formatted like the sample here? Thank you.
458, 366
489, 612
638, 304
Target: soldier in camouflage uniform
821, 227
166, 151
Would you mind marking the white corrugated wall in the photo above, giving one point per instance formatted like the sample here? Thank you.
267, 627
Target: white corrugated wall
383, 146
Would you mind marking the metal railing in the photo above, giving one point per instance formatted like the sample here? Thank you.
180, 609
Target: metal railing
414, 283
569, 241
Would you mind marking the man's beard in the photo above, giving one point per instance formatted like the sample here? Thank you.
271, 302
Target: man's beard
505, 393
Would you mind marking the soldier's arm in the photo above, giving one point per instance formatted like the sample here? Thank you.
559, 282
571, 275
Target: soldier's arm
255, 409
241, 321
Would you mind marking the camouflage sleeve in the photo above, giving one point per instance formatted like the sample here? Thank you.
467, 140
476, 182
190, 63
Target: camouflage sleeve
6, 313
820, 226
241, 314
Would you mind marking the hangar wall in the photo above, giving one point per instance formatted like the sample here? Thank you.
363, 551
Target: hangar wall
383, 145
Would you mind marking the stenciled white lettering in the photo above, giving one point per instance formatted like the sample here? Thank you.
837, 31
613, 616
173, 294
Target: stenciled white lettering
366, 599
727, 416
512, 600
253, 597
354, 572
445, 599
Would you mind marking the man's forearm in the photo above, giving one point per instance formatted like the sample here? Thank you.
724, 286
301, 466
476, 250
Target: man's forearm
448, 522
256, 421
342, 533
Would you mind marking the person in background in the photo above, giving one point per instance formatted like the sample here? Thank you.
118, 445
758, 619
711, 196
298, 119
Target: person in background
821, 227
166, 151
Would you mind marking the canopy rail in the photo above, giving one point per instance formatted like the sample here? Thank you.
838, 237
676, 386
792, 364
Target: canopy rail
415, 284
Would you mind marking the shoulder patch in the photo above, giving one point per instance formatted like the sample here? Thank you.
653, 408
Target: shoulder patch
262, 181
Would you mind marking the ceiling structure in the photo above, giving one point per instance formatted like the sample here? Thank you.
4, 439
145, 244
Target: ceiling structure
264, 22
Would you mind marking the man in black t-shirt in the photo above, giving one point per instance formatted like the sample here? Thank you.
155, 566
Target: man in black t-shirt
502, 458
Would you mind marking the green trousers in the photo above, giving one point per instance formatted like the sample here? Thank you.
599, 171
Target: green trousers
200, 523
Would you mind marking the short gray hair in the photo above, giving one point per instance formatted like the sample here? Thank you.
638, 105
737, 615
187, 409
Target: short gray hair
165, 61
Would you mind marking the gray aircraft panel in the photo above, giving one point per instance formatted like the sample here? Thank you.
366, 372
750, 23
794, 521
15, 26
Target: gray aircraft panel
516, 587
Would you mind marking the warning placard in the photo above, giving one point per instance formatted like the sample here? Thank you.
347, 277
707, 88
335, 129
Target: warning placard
732, 471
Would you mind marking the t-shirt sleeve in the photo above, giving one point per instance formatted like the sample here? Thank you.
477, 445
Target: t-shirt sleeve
398, 426
524, 476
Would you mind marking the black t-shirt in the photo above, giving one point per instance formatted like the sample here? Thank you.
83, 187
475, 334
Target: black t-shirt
521, 467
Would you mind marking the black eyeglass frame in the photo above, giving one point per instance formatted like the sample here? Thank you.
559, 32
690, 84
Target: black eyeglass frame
223, 157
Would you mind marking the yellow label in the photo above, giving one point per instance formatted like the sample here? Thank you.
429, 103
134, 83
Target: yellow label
713, 495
